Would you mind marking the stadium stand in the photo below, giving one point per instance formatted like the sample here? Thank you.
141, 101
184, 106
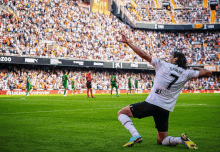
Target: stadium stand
14, 77
66, 30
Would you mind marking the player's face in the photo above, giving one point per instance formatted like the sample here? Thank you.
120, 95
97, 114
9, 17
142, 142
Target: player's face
172, 59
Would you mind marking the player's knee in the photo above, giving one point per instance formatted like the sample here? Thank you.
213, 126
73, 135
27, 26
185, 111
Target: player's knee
126, 111
119, 112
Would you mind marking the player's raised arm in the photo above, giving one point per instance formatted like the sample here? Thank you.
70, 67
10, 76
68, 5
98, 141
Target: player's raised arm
203, 72
136, 49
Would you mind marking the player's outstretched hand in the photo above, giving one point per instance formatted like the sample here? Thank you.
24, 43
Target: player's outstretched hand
123, 38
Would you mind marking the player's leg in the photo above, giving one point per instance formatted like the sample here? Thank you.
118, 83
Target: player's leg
111, 89
87, 89
72, 91
124, 117
91, 93
137, 110
90, 88
130, 89
116, 87
28, 89
65, 90
75, 90
161, 118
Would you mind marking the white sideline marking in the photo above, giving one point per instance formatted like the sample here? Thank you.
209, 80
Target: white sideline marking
183, 104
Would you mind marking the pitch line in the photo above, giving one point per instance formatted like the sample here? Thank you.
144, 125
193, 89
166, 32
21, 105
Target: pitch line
86, 109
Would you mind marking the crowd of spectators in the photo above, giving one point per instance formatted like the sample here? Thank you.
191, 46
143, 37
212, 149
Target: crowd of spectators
64, 29
217, 19
193, 15
187, 12
15, 77
188, 3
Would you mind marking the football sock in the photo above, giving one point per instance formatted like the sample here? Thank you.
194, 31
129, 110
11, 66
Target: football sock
169, 140
111, 91
116, 91
127, 123
65, 92
87, 92
91, 92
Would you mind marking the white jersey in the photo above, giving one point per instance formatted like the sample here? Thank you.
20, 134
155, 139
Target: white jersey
169, 82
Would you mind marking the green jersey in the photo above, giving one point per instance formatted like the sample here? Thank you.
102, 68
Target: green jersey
129, 80
28, 80
64, 78
73, 83
136, 82
113, 79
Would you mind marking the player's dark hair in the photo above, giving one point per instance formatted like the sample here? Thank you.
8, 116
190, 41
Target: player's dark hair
181, 61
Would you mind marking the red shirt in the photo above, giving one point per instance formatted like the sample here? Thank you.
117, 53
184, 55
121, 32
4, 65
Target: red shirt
88, 77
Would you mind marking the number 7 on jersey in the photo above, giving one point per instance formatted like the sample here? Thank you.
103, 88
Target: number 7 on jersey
171, 83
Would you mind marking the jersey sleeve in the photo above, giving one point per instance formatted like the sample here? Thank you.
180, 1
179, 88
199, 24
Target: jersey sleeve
193, 74
156, 63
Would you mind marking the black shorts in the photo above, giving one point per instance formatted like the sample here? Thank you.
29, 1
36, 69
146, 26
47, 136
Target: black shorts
145, 109
89, 85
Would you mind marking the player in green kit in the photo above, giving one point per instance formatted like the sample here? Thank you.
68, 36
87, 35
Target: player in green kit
28, 85
113, 85
73, 86
136, 85
64, 79
129, 85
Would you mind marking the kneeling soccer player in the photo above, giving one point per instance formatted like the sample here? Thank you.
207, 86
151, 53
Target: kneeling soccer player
170, 79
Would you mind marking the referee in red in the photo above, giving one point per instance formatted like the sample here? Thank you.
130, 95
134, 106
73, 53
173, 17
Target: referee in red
89, 85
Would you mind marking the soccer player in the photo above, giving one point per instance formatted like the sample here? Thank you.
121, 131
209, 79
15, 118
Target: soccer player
73, 86
169, 81
129, 85
113, 85
64, 80
28, 85
89, 85
136, 85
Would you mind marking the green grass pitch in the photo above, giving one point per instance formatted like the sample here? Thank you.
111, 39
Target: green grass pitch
77, 124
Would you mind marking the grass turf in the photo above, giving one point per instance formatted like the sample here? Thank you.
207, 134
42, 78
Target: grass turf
75, 123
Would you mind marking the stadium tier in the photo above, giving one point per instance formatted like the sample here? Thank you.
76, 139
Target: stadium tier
50, 78
64, 29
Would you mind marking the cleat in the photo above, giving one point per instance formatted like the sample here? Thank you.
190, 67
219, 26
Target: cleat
187, 142
131, 94
111, 96
117, 95
134, 140
93, 97
88, 97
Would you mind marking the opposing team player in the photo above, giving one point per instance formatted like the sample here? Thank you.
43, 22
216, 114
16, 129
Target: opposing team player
170, 79
114, 85
64, 80
89, 85
28, 84
73, 86
129, 85
136, 85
